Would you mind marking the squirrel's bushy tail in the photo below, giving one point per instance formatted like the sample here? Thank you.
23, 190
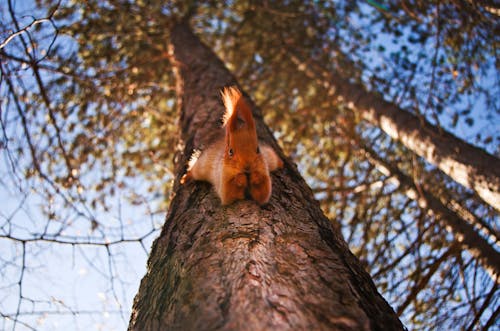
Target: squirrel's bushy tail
236, 107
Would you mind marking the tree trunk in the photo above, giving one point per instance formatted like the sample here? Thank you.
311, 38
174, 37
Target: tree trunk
245, 267
466, 164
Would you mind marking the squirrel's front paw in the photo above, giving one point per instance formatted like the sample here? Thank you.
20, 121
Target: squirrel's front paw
260, 188
240, 180
234, 189
257, 178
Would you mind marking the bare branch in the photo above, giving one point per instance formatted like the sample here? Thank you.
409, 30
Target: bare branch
23, 30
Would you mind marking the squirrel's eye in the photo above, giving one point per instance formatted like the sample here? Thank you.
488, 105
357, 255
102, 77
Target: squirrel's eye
230, 152
258, 150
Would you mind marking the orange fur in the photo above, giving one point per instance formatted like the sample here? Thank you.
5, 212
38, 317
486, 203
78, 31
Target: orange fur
236, 165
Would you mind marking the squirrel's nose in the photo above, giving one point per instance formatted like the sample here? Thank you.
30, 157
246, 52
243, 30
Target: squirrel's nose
246, 171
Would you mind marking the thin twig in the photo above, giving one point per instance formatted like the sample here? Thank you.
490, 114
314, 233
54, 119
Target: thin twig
23, 30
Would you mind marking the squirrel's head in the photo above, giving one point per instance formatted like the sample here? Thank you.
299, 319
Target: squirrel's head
242, 146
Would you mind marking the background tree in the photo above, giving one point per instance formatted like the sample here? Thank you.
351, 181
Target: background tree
100, 140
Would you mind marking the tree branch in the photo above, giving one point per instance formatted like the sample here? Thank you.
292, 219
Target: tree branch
23, 30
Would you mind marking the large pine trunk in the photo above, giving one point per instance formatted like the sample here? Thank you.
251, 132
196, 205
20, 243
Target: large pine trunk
245, 267
466, 164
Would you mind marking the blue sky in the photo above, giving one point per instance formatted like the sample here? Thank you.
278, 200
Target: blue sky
68, 287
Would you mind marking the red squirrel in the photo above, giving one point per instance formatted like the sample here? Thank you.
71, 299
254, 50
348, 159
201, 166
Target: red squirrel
236, 164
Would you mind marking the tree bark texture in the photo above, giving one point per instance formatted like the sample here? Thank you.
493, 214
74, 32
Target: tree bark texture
466, 164
282, 266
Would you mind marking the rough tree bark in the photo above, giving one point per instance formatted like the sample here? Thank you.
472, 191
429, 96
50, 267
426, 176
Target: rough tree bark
245, 267
466, 164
